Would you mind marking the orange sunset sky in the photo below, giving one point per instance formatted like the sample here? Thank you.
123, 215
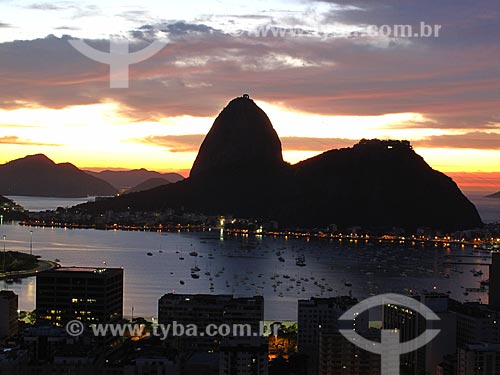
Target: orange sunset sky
327, 86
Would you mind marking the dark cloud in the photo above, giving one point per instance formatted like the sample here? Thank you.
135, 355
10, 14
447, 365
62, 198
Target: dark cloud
176, 143
192, 143
463, 22
453, 85
183, 28
172, 30
315, 144
473, 140
408, 12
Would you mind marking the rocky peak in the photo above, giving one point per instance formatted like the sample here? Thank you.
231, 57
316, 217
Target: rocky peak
242, 136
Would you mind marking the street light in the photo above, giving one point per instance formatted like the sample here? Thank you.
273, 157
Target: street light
4, 238
31, 242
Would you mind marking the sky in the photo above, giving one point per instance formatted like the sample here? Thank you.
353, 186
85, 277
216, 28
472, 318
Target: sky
319, 69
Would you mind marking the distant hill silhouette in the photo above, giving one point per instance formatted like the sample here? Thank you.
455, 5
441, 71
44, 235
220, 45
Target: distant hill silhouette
38, 176
129, 179
148, 184
4, 200
496, 195
383, 182
239, 170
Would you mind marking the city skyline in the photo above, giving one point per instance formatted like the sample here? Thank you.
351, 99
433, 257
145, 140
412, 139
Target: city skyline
321, 86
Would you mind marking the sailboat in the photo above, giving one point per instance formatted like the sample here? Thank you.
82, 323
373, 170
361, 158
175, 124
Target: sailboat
301, 261
195, 269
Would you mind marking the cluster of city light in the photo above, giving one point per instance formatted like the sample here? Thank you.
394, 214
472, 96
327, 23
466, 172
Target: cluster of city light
493, 243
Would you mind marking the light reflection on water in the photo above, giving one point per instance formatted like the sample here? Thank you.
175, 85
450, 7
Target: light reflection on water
246, 266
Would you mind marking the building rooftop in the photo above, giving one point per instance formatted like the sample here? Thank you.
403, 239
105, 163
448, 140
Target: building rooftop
81, 270
208, 297
7, 294
472, 309
343, 301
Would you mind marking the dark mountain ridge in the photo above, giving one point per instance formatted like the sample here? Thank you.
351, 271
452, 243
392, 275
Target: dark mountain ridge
132, 178
148, 185
38, 176
495, 196
240, 171
384, 183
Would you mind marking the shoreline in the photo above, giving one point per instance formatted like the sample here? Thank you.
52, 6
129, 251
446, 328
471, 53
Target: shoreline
443, 240
42, 265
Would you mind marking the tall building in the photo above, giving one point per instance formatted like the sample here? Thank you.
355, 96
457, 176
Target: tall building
51, 350
411, 325
203, 310
475, 323
319, 316
43, 342
91, 295
8, 313
479, 359
339, 356
494, 291
244, 356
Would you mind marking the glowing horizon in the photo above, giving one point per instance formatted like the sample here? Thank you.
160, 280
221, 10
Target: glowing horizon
99, 137
322, 90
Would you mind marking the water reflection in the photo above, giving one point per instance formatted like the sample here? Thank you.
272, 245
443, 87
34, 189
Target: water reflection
246, 266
